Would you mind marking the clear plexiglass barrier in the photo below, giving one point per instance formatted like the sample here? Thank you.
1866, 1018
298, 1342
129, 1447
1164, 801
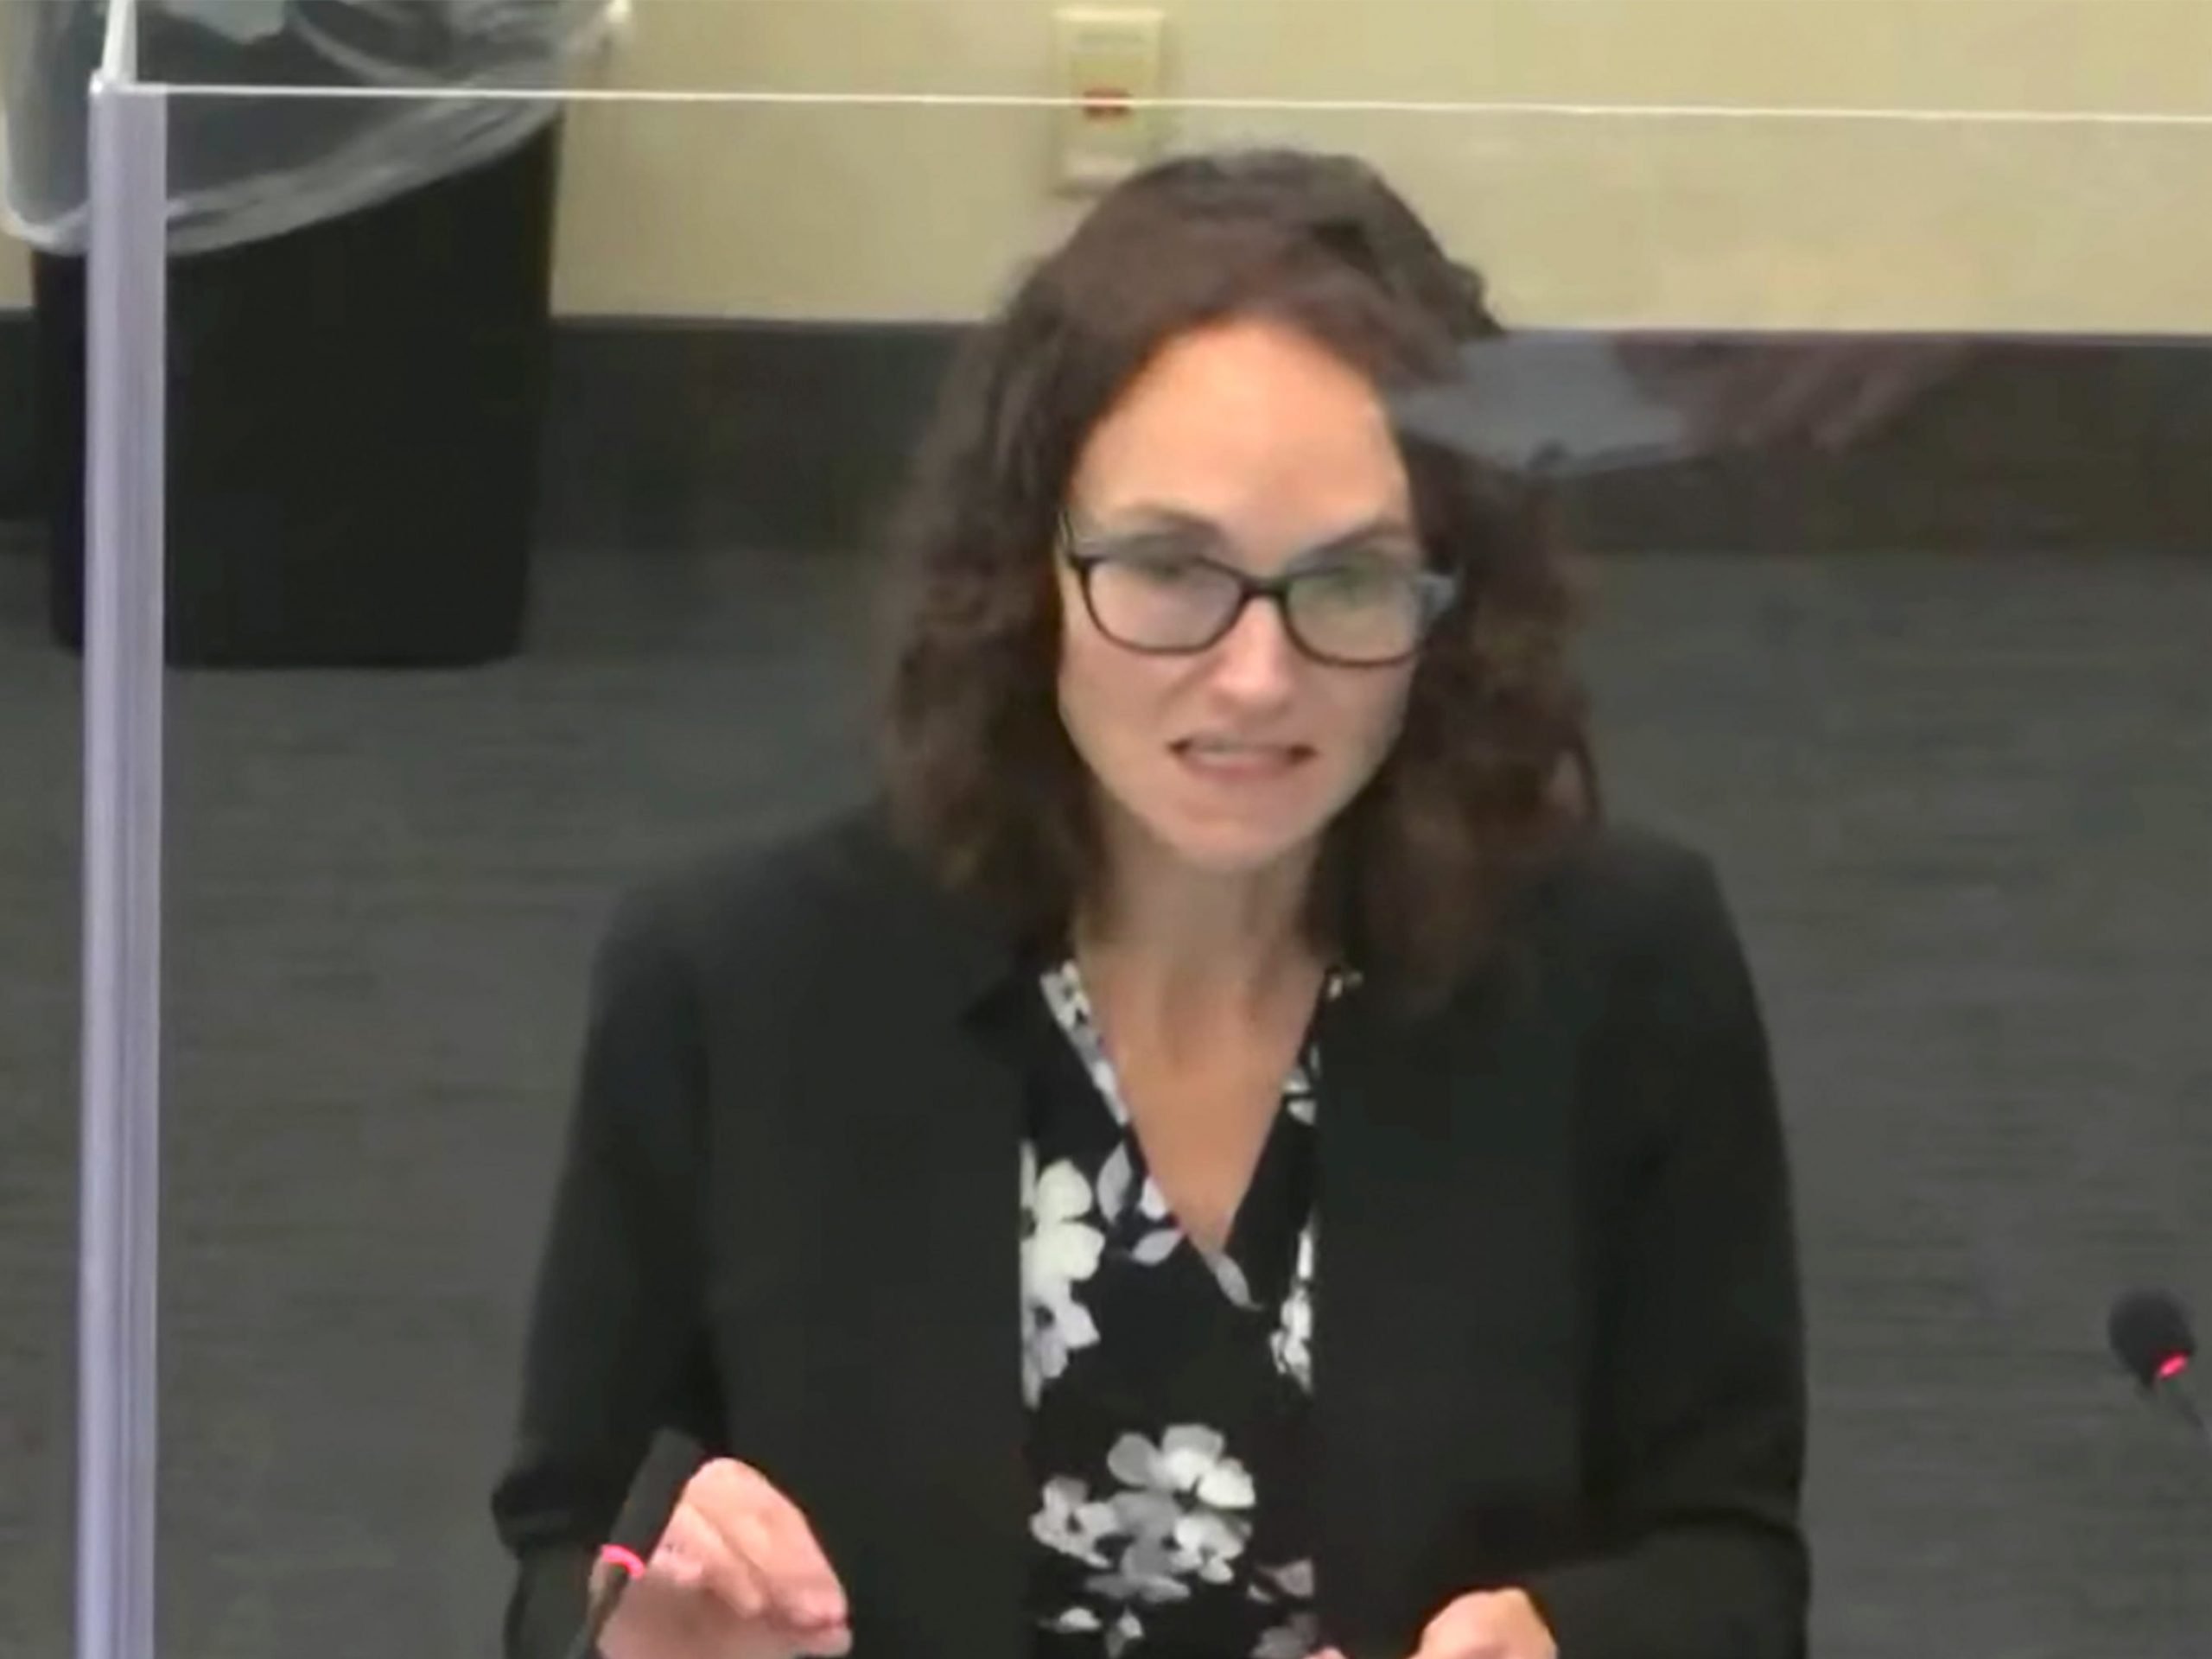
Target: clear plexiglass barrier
479, 449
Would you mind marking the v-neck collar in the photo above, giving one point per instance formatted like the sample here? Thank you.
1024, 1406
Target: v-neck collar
1256, 1266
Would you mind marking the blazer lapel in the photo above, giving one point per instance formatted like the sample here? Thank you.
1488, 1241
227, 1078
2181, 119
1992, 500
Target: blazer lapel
895, 1409
939, 1505
1444, 1316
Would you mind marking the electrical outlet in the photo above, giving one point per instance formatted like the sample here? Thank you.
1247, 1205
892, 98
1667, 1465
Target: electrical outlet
1109, 59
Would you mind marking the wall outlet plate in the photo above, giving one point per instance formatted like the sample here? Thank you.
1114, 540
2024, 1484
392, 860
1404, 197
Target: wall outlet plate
1108, 62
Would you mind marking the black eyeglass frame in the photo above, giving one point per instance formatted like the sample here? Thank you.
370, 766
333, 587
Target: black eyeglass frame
1435, 590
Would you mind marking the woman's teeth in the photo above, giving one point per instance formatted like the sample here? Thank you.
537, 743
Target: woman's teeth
1223, 755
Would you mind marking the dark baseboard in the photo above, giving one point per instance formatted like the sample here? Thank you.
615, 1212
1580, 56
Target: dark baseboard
682, 435
2025, 446
673, 435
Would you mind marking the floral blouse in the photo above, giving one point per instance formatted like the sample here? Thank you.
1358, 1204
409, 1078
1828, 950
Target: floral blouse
1168, 1387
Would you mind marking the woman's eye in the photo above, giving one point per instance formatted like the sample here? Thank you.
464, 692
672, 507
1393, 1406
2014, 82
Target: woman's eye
1354, 584
1166, 567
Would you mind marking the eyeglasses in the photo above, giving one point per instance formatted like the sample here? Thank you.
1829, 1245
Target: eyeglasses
1158, 592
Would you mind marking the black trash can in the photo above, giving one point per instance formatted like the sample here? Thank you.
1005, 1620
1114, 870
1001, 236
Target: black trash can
354, 418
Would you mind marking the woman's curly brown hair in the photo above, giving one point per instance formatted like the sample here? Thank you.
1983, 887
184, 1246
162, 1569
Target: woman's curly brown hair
980, 776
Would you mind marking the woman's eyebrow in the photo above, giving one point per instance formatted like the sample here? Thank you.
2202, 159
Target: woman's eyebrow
1154, 515
1381, 524
1389, 531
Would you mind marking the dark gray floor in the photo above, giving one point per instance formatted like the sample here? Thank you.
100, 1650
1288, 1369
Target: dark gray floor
1964, 807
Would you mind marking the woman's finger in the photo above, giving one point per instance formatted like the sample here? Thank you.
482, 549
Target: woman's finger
761, 1527
802, 1567
694, 1553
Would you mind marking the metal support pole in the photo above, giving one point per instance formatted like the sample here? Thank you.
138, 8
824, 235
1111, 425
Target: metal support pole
126, 383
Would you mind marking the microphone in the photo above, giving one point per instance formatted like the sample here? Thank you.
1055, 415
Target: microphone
2149, 1335
657, 1488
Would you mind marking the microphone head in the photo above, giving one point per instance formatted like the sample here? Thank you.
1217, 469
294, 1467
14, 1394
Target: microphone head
2149, 1336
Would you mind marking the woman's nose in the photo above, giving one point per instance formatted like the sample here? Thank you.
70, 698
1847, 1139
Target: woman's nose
1257, 661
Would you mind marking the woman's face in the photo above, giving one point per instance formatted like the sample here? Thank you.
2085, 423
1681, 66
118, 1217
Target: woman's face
1246, 444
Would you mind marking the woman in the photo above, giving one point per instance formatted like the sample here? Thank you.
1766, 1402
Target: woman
1223, 1158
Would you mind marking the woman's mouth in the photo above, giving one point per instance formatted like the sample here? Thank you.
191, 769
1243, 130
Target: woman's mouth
1233, 760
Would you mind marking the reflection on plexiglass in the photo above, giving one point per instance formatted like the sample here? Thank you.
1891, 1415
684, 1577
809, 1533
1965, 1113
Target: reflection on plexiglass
1425, 886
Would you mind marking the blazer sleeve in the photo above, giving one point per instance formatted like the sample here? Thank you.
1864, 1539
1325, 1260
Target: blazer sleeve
1700, 1378
614, 1346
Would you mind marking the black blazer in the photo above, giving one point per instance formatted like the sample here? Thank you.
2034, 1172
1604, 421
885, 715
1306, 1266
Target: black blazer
1557, 1333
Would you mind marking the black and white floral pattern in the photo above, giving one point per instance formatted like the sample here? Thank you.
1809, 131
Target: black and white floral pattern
1060, 1248
1168, 1383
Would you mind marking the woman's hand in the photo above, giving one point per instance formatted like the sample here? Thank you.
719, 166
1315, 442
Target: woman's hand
738, 1575
1489, 1624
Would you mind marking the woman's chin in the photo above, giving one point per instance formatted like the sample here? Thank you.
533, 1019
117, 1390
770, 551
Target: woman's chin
1232, 847
1224, 833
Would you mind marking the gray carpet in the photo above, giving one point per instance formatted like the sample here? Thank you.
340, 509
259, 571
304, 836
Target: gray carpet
1963, 808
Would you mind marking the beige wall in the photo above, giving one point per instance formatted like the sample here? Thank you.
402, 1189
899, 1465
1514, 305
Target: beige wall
878, 212
810, 212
